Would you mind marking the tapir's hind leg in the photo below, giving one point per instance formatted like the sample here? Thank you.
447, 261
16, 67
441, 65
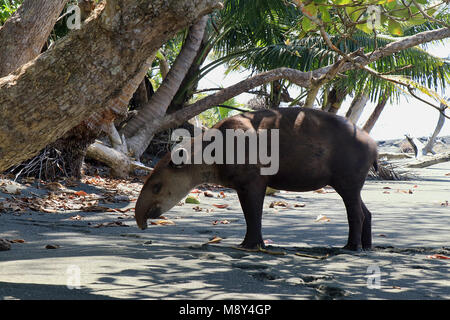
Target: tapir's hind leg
251, 197
355, 217
366, 237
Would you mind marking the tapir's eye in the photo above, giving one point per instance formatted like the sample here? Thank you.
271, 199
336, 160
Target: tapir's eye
157, 188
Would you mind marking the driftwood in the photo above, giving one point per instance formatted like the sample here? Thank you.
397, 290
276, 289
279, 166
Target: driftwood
427, 161
394, 155
121, 165
419, 147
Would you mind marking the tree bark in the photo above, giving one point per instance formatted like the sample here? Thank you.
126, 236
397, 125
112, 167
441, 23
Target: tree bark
24, 34
140, 129
86, 8
72, 147
87, 71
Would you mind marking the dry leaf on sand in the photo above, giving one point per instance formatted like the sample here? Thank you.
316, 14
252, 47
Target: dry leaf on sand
215, 239
322, 218
221, 206
163, 222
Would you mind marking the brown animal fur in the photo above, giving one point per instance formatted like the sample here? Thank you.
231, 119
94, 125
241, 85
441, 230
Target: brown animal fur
315, 149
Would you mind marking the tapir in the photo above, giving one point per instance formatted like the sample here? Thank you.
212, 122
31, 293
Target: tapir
316, 149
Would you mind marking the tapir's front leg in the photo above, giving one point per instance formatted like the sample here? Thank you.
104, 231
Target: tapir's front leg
251, 197
355, 216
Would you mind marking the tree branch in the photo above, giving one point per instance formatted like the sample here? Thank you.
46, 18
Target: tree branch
302, 79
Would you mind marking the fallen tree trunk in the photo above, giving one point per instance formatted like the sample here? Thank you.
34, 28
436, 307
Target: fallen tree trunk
394, 155
427, 161
121, 165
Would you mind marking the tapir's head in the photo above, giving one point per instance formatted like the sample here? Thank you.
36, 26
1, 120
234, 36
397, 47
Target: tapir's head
164, 188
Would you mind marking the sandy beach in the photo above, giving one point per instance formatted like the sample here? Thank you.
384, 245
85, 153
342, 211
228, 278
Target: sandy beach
95, 254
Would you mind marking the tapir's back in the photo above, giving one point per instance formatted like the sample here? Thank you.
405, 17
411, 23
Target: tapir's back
314, 145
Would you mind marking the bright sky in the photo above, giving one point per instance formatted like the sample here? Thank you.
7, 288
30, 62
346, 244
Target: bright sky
410, 116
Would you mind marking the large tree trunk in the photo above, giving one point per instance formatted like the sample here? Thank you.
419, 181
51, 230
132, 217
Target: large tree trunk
24, 34
139, 131
87, 71
72, 146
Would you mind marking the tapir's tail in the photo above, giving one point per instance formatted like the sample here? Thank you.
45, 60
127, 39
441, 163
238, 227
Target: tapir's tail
375, 165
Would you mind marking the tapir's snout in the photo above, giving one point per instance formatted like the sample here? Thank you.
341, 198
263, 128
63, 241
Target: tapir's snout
143, 212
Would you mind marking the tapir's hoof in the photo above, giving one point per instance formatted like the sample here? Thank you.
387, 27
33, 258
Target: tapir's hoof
352, 247
251, 246
259, 248
240, 247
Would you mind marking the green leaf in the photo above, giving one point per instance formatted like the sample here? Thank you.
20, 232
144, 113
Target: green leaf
302, 34
416, 21
401, 13
192, 200
390, 4
342, 2
325, 14
431, 12
354, 12
364, 27
307, 24
395, 28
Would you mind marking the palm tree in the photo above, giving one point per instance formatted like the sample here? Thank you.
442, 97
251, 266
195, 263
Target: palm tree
259, 37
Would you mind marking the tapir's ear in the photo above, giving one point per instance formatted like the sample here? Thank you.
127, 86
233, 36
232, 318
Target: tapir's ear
179, 158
